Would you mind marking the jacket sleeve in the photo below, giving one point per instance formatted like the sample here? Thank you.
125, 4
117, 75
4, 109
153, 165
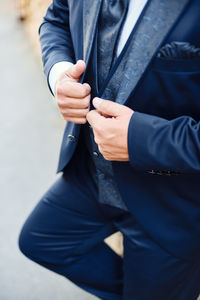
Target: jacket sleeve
164, 145
55, 37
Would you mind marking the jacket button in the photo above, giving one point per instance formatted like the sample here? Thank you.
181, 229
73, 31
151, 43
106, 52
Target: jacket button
159, 173
169, 173
95, 153
152, 172
72, 138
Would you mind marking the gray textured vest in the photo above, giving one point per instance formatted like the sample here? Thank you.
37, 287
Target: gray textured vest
104, 52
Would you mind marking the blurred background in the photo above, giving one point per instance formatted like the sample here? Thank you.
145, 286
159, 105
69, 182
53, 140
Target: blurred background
31, 130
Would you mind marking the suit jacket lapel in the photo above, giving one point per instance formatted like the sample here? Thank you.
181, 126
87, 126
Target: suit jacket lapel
91, 9
152, 28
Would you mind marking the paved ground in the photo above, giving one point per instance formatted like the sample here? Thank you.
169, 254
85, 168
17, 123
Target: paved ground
30, 133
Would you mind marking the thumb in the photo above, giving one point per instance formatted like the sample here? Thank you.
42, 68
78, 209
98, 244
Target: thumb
77, 70
107, 107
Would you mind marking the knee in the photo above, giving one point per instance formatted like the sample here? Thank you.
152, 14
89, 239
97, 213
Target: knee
26, 242
42, 248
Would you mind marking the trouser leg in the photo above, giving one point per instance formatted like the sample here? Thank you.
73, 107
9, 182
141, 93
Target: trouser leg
65, 234
150, 272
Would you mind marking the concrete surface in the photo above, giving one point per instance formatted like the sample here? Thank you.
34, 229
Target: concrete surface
30, 135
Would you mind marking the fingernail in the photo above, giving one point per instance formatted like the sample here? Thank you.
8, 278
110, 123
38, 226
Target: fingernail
97, 101
80, 61
87, 86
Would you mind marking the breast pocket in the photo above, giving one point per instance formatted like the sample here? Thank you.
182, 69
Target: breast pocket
176, 82
176, 65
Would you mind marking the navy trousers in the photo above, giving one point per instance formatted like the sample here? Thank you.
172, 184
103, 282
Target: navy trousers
65, 234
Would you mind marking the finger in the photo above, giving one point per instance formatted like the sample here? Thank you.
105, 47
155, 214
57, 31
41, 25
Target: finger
108, 107
76, 70
106, 155
75, 113
77, 120
75, 103
95, 119
73, 89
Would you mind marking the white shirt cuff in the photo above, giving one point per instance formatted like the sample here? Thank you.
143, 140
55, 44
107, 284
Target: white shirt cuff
56, 71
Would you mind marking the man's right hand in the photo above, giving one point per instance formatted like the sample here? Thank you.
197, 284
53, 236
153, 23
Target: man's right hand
73, 98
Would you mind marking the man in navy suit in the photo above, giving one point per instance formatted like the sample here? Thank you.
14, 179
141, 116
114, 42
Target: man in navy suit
130, 162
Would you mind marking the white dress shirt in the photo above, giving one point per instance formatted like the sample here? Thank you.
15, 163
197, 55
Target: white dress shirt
135, 9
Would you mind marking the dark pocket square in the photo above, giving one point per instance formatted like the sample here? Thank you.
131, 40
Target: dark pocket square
179, 50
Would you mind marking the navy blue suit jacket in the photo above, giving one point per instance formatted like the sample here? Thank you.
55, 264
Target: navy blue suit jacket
161, 183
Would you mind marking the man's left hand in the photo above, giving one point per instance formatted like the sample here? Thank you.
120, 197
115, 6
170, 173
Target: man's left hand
110, 123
